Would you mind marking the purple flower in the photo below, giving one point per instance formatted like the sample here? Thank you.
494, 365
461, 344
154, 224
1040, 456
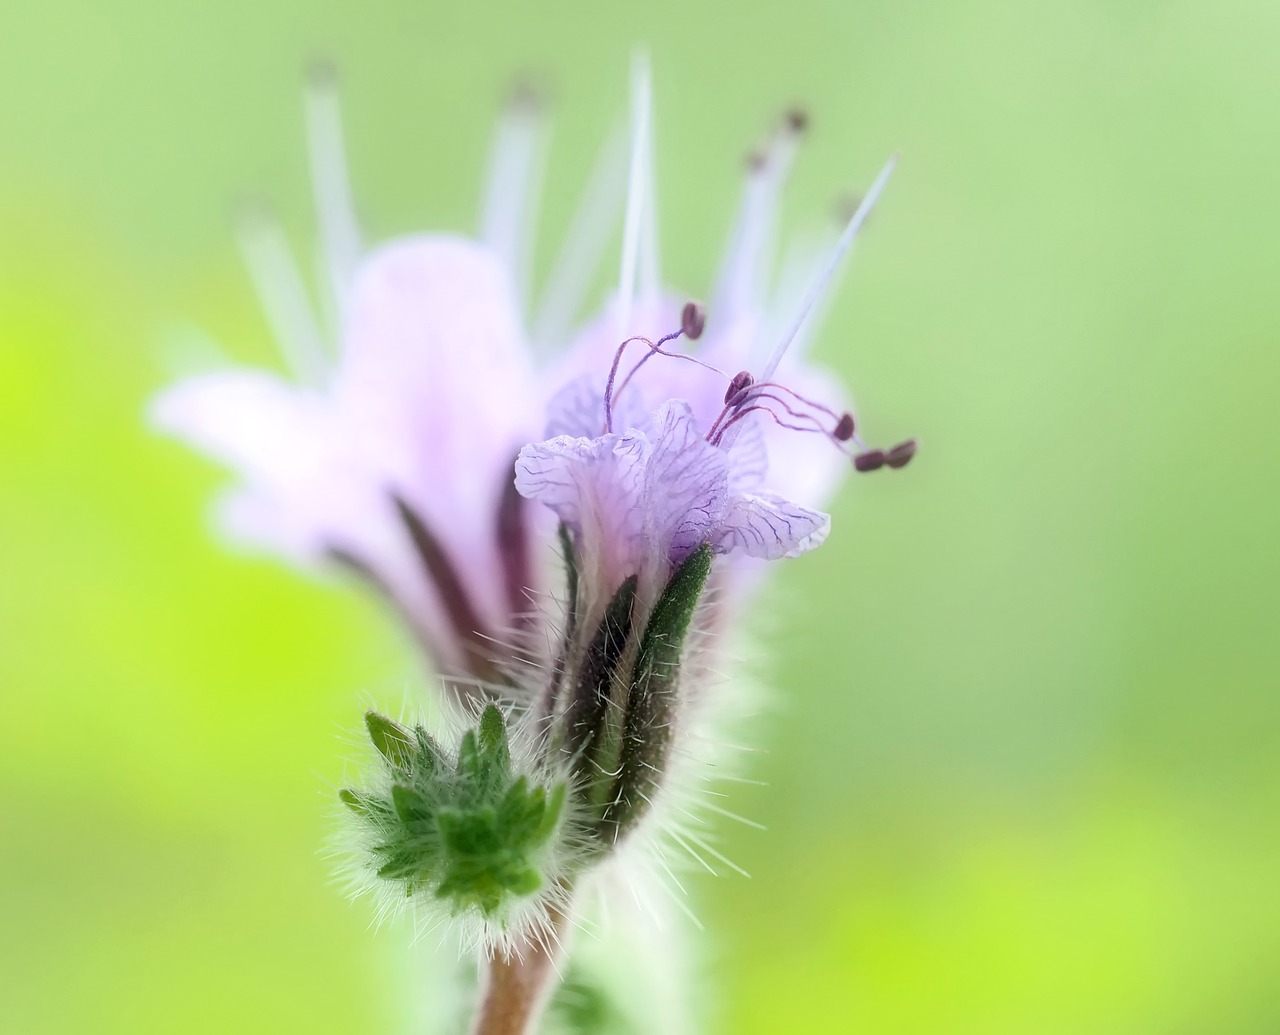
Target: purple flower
390, 451
415, 384
641, 501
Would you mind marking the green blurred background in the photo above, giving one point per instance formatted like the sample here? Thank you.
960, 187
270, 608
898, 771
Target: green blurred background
1023, 764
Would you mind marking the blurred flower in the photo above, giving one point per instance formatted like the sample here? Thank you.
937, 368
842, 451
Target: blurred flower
391, 451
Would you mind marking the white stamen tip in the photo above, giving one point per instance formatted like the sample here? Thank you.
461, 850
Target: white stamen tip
823, 280
637, 183
282, 292
340, 235
513, 181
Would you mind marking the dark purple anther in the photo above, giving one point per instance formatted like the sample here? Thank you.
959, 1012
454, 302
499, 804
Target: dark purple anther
742, 380
797, 120
844, 428
693, 318
871, 460
901, 454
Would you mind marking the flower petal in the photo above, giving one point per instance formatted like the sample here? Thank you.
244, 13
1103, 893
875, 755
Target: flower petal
686, 484
437, 380
768, 526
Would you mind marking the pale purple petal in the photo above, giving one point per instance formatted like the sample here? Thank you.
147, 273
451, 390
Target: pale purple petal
770, 527
251, 421
595, 486
685, 484
576, 410
437, 380
748, 457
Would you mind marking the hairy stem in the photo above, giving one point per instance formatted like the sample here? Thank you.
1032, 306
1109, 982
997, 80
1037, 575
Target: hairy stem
516, 989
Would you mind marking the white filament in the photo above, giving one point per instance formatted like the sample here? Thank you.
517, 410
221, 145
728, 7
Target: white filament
339, 232
517, 160
283, 295
641, 114
744, 271
823, 279
593, 222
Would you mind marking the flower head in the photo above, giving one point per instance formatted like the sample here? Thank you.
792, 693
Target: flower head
431, 442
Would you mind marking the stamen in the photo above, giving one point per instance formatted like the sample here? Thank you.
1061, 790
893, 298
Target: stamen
339, 232
655, 348
745, 267
742, 380
588, 235
900, 455
650, 253
693, 319
744, 411
745, 395
282, 293
871, 460
637, 184
823, 279
512, 183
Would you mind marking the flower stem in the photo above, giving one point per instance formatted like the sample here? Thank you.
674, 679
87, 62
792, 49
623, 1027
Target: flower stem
516, 988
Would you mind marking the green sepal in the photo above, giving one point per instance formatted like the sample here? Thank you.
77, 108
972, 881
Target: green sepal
410, 806
360, 804
395, 743
586, 721
465, 829
651, 698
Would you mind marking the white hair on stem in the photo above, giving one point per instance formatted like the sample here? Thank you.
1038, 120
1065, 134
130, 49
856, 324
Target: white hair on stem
283, 294
339, 232
823, 280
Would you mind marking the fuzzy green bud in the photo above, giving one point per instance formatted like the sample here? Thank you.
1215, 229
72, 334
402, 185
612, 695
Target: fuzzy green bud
467, 830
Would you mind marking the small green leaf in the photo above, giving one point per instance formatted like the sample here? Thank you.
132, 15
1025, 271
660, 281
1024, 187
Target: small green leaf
587, 713
493, 739
411, 806
394, 742
355, 801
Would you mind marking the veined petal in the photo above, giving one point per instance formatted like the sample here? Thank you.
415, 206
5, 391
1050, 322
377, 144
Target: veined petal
770, 527
595, 486
686, 484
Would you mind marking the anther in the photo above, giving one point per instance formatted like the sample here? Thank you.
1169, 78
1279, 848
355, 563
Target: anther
844, 428
524, 95
693, 318
797, 119
901, 454
757, 160
872, 460
322, 73
742, 380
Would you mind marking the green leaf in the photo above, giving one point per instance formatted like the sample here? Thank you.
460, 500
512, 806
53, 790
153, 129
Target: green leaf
410, 806
394, 742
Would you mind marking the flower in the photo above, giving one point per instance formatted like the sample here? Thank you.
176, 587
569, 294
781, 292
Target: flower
390, 452
428, 413
392, 457
643, 500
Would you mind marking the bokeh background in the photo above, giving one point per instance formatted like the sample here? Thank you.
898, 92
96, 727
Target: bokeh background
1023, 761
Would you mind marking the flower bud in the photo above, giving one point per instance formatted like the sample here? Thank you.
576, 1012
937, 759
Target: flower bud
467, 831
